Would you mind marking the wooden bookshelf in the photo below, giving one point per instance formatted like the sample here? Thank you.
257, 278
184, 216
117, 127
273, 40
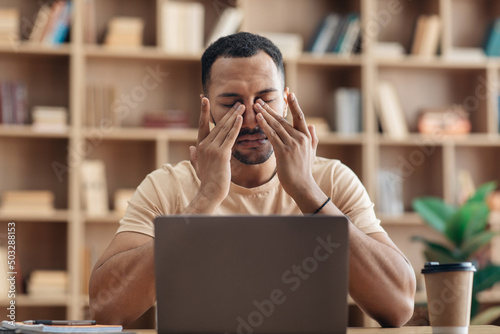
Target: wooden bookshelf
59, 76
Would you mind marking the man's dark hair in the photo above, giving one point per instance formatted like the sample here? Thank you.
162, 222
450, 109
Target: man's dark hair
240, 45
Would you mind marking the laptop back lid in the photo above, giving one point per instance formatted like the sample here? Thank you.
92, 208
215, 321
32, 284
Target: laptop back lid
251, 274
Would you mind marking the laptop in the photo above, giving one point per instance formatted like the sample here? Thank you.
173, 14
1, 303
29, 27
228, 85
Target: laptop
251, 274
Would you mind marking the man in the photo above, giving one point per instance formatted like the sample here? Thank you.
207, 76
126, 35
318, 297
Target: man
253, 161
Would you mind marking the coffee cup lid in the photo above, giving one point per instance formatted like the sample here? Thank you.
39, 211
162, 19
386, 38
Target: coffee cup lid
436, 267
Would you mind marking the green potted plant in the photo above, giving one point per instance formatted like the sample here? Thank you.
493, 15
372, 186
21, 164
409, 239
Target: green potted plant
465, 228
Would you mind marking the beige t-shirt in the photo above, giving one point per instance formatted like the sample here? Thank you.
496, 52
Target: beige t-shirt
170, 189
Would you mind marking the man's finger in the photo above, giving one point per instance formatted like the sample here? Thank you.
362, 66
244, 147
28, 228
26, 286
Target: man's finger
276, 122
225, 125
231, 136
299, 120
204, 124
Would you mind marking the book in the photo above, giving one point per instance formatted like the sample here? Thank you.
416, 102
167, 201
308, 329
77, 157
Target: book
386, 50
182, 27
346, 118
348, 35
492, 43
228, 23
99, 109
94, 187
325, 33
426, 36
124, 31
418, 33
48, 283
52, 23
466, 54
9, 25
390, 111
13, 102
290, 45
390, 192
431, 36
22, 327
27, 202
166, 119
49, 118
41, 20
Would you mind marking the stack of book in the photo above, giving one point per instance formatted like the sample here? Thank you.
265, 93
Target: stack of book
182, 27
13, 102
166, 119
426, 37
50, 119
124, 32
99, 106
9, 26
337, 34
52, 23
48, 283
347, 112
37, 202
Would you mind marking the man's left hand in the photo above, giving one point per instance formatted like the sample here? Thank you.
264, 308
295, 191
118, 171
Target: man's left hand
294, 146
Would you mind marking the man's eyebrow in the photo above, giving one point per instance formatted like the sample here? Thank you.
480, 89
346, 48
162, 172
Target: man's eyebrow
264, 91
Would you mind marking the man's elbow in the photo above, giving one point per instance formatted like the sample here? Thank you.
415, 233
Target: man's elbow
398, 315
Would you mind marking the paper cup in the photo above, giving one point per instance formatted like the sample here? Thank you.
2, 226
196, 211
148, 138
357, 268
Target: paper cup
449, 294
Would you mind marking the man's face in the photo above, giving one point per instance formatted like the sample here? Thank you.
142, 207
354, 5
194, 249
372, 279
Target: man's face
245, 80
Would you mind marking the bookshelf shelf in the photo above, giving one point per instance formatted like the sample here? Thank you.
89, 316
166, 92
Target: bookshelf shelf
434, 62
30, 301
59, 216
60, 76
29, 131
144, 52
329, 60
34, 49
408, 218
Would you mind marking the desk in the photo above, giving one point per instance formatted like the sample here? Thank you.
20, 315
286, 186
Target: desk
402, 330
418, 330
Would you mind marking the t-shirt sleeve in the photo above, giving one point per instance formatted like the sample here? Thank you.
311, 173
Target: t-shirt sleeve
351, 198
145, 205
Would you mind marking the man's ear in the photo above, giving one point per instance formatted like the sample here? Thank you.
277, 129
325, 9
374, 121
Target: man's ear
285, 96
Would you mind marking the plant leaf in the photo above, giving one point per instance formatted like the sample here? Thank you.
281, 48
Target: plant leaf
469, 218
479, 221
485, 278
482, 192
474, 307
437, 252
434, 211
471, 245
486, 317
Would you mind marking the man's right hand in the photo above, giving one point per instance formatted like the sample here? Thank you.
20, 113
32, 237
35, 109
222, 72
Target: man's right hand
212, 155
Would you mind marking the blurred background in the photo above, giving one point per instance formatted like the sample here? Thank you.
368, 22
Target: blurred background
95, 94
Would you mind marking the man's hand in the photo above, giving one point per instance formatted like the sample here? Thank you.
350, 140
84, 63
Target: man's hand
294, 146
212, 154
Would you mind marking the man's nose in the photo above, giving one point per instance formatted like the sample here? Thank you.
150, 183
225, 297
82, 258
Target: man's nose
249, 116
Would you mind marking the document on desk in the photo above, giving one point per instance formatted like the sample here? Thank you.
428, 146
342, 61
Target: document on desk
40, 328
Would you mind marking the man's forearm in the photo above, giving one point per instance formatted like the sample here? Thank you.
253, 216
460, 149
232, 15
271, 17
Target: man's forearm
125, 282
381, 281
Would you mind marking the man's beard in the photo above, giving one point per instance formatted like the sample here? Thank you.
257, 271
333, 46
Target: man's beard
259, 155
